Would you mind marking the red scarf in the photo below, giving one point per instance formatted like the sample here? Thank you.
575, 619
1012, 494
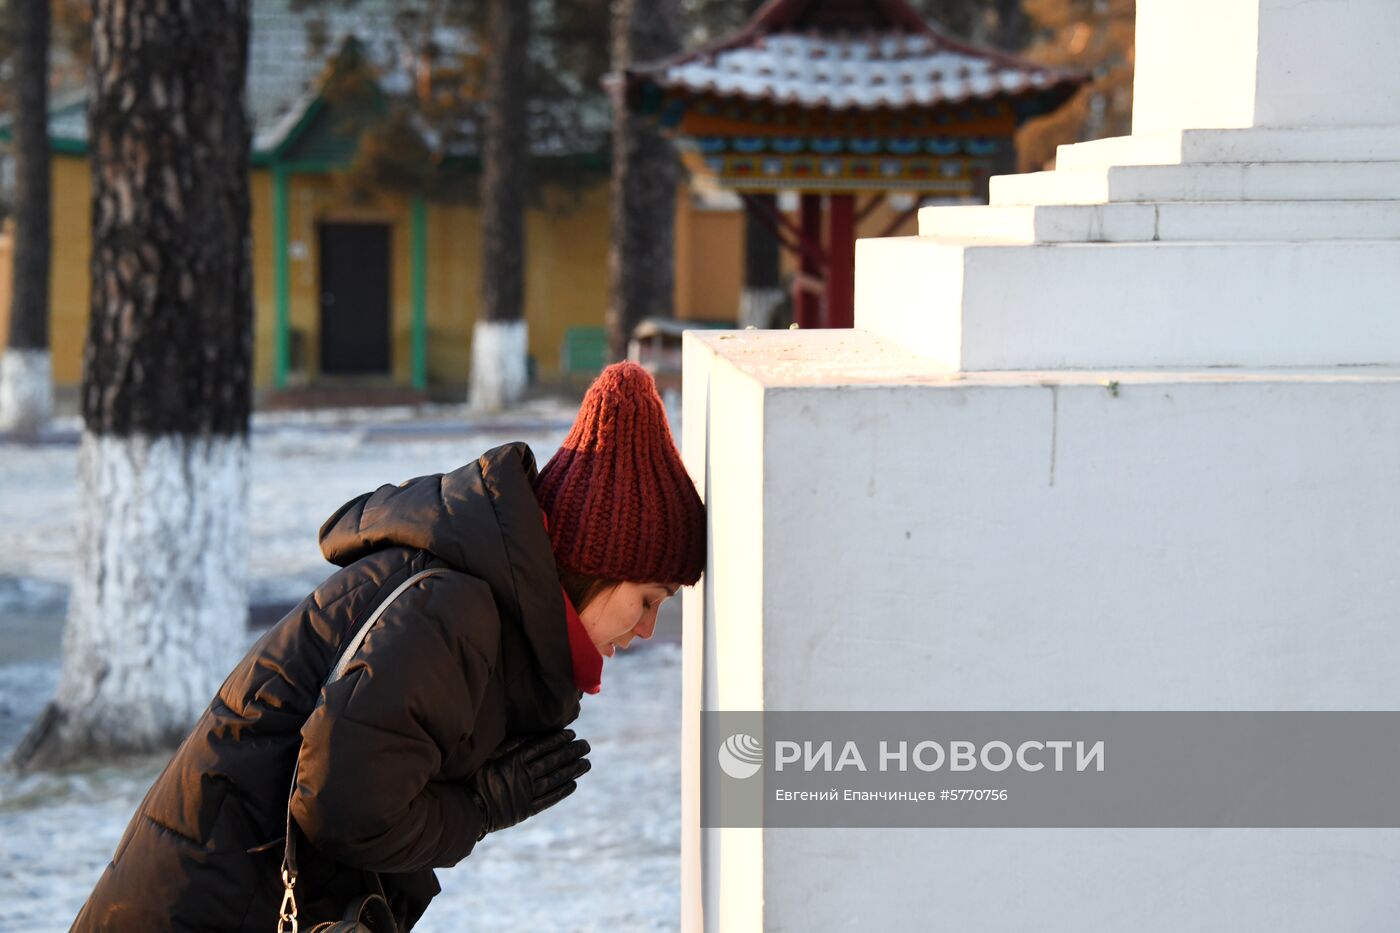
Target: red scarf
588, 662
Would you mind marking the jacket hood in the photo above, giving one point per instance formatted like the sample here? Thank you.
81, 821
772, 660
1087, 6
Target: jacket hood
484, 520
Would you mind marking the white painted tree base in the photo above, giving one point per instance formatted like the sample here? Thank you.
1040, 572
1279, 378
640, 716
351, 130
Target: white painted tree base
498, 374
26, 390
756, 306
159, 605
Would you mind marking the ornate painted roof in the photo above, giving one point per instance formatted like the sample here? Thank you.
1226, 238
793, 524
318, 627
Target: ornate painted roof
845, 95
849, 55
874, 70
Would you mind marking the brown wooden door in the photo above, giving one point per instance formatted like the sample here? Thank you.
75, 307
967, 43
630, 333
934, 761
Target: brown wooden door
355, 333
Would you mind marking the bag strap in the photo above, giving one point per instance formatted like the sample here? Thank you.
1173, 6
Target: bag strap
287, 916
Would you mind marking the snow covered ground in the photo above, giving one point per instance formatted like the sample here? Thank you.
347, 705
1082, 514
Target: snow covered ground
305, 466
607, 858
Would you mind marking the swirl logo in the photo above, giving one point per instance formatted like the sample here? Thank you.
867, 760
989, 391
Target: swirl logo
741, 756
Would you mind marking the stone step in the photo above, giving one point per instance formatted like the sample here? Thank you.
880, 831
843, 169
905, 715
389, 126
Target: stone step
1166, 221
1255, 144
974, 306
1214, 181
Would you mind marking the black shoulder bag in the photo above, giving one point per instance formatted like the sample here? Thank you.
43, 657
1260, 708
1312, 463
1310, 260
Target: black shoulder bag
368, 913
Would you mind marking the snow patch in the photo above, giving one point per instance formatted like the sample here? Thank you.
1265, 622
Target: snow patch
302, 472
20, 594
605, 859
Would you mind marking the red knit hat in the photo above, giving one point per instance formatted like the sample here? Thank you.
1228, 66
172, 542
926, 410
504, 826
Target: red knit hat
618, 498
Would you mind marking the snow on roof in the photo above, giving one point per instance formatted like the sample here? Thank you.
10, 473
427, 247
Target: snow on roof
850, 72
289, 48
288, 52
555, 128
848, 55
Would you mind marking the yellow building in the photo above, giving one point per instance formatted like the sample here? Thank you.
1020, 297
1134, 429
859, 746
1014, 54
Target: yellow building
385, 291
426, 256
381, 290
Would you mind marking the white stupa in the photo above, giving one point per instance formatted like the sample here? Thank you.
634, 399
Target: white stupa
1128, 438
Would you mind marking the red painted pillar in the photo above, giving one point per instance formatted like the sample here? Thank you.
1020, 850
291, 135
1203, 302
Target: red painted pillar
806, 303
841, 261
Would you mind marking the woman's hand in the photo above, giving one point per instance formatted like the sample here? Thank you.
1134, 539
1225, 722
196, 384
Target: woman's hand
526, 776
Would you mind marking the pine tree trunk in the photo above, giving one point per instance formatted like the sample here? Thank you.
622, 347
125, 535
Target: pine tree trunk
499, 343
159, 606
645, 174
762, 290
1012, 27
26, 379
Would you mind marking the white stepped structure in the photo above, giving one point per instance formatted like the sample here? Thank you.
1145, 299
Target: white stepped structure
1252, 219
1126, 438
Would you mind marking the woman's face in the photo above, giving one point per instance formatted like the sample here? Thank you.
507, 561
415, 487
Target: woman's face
624, 612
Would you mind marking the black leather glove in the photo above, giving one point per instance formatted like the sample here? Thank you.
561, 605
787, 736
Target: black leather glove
526, 775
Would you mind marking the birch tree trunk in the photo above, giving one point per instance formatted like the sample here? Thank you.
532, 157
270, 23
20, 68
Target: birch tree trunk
26, 369
500, 336
645, 173
159, 607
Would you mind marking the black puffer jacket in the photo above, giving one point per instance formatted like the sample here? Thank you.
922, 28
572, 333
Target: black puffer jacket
461, 660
